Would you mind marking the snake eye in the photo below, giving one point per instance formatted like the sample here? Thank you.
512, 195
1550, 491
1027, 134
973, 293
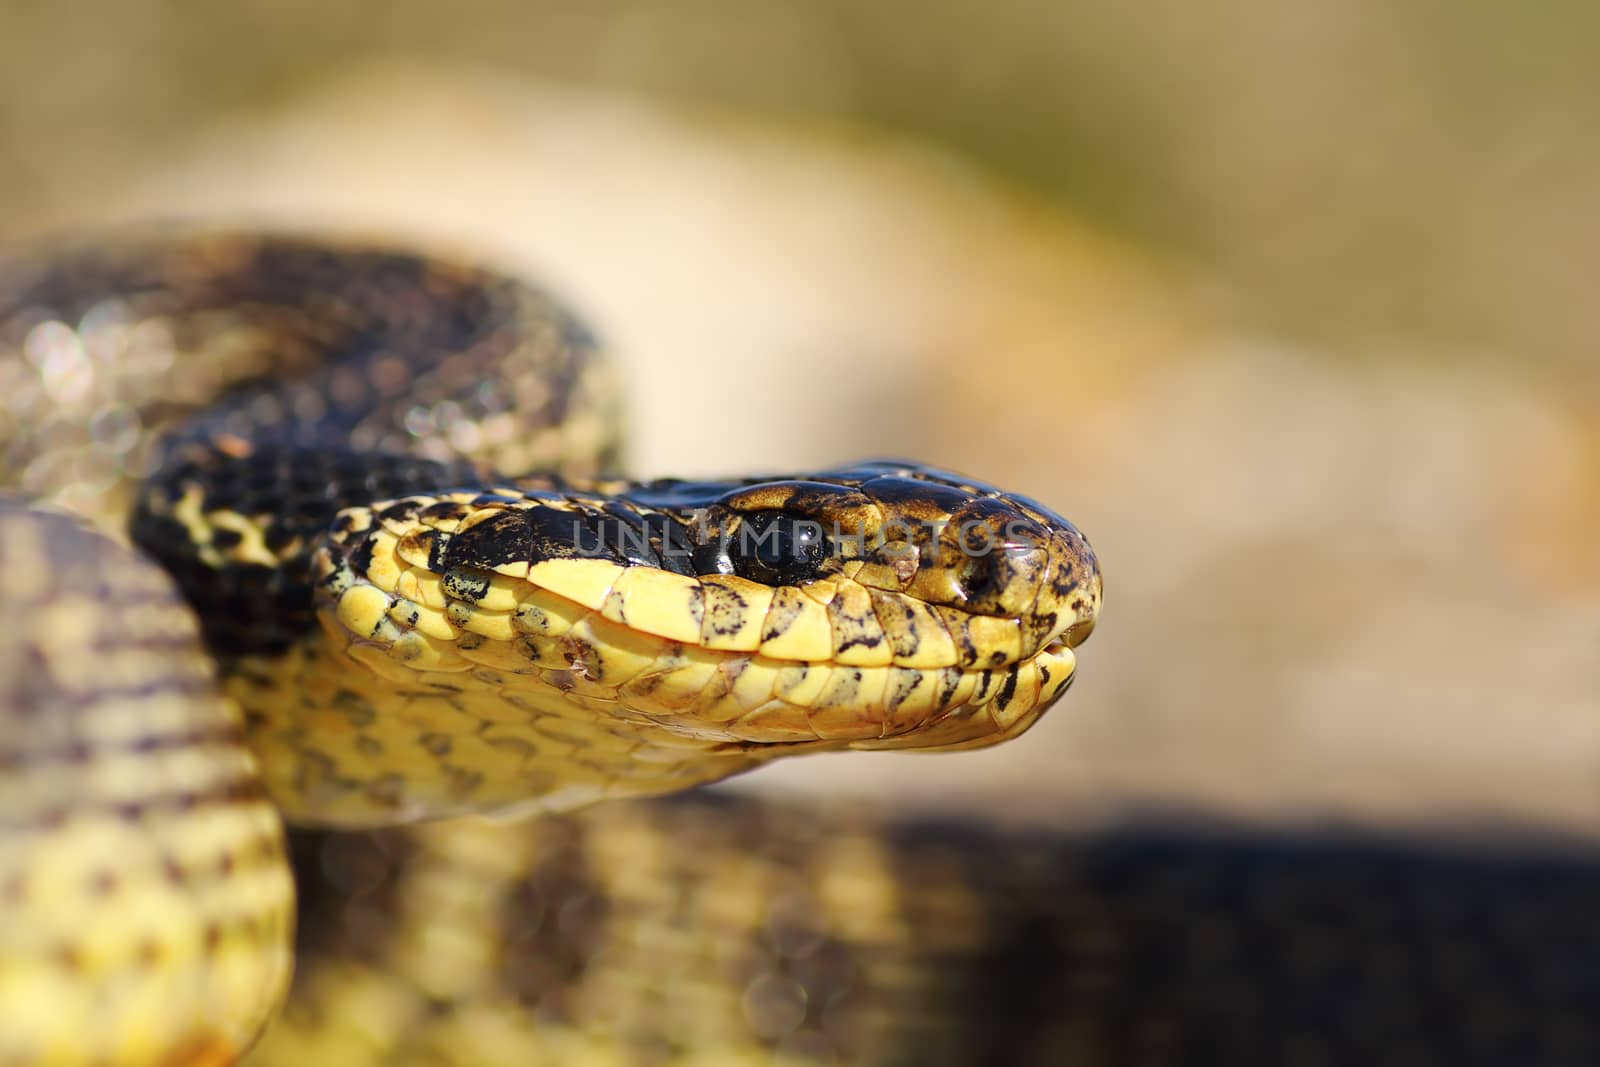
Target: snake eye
777, 548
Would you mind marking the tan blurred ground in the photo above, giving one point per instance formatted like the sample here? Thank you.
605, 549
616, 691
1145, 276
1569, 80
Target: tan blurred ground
1362, 587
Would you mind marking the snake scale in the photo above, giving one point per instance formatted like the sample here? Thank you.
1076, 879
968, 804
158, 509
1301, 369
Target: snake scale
396, 583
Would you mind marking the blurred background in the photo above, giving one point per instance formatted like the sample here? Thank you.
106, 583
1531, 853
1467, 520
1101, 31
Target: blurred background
1283, 303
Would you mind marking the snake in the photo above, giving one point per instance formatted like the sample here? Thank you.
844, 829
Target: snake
325, 622
377, 572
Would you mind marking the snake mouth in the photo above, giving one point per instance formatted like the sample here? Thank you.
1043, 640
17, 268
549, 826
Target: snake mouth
995, 711
603, 642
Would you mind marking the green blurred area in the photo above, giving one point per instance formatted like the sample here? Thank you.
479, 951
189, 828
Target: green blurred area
1358, 173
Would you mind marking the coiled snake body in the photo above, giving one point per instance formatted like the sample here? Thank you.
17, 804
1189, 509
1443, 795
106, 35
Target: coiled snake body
321, 447
367, 613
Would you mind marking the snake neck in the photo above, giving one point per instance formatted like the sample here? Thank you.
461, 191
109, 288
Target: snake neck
352, 741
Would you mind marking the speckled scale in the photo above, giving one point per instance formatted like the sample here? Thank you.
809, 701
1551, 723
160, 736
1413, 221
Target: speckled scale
255, 605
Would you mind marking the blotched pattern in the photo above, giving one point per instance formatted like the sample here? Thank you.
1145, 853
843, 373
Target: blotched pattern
145, 908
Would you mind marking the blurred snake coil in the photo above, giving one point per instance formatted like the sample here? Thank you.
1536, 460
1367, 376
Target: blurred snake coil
354, 560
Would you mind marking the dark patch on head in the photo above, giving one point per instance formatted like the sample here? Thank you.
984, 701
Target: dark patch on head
500, 539
626, 534
560, 533
710, 558
672, 544
914, 496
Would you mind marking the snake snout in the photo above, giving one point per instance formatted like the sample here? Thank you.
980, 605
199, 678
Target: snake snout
1018, 559
1075, 584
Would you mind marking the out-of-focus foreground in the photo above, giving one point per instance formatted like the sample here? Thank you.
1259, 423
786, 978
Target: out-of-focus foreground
1282, 306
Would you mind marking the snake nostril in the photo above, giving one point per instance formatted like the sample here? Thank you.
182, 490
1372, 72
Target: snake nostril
978, 577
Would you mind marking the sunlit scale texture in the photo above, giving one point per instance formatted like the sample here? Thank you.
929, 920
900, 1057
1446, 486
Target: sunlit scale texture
544, 645
144, 903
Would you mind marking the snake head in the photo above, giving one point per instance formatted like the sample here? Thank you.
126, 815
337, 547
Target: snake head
966, 584
707, 626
